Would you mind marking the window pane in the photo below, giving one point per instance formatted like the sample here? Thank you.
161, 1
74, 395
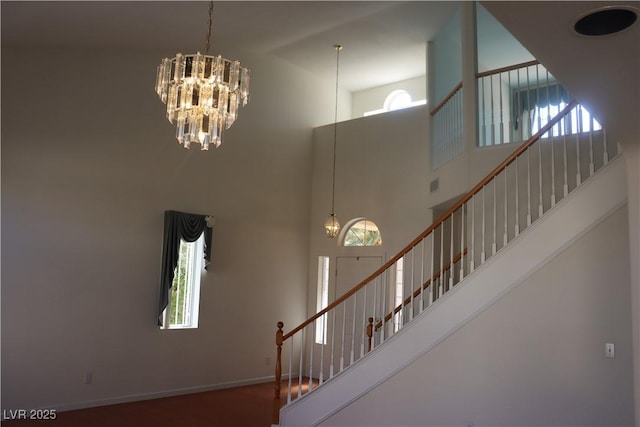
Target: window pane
184, 298
363, 233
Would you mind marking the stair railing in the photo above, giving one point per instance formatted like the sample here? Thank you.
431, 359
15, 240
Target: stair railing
539, 173
446, 122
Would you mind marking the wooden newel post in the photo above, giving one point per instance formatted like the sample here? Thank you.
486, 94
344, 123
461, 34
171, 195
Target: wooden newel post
369, 333
276, 401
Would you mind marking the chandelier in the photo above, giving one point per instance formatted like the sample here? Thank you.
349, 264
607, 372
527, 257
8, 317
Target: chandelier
332, 225
202, 93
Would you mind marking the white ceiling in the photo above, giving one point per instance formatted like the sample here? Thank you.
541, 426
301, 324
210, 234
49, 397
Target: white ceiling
384, 41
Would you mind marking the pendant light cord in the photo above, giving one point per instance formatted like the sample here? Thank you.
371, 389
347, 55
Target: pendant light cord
335, 131
210, 23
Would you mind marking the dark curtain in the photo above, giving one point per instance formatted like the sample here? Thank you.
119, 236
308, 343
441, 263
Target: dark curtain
528, 99
177, 226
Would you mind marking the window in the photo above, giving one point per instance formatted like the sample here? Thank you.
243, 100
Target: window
184, 296
363, 233
396, 100
323, 299
536, 106
579, 120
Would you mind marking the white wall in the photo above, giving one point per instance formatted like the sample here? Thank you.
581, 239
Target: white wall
536, 357
631, 152
447, 59
89, 164
381, 174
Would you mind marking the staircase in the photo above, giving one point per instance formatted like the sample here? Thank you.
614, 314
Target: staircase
525, 212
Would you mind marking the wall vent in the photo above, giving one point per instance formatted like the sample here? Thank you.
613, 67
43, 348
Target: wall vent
434, 185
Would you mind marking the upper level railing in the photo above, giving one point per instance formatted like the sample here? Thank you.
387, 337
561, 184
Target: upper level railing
543, 170
513, 104
446, 121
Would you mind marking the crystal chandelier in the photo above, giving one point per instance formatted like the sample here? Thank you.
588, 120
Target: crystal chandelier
202, 93
332, 225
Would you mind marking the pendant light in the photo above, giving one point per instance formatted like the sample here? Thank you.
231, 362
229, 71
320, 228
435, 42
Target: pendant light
332, 225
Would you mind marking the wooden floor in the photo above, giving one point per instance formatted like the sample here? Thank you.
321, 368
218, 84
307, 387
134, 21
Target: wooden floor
248, 406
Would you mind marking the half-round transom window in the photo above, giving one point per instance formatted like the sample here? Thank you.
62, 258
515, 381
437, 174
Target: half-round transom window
397, 100
363, 233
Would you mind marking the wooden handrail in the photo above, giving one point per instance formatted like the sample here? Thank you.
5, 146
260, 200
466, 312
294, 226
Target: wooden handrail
417, 292
440, 219
446, 98
505, 69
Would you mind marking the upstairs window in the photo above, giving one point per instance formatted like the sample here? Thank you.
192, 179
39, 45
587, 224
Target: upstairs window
363, 233
536, 106
396, 100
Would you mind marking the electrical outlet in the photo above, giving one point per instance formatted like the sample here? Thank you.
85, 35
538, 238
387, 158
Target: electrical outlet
610, 350
267, 361
88, 378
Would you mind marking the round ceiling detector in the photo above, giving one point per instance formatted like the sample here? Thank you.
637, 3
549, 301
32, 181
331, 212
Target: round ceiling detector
605, 21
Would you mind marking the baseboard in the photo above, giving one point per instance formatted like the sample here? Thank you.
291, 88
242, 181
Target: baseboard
160, 394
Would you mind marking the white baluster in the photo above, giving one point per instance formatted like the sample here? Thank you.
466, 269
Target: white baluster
473, 234
431, 284
483, 239
462, 242
290, 369
353, 323
501, 112
451, 270
528, 189
375, 311
440, 278
553, 171
510, 122
578, 173
344, 326
539, 144
385, 291
517, 219
495, 213
322, 348
605, 155
300, 366
565, 187
313, 337
411, 285
333, 343
493, 129
482, 99
505, 238
422, 281
590, 130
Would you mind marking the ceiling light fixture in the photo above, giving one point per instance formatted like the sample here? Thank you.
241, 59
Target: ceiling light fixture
605, 21
332, 225
202, 93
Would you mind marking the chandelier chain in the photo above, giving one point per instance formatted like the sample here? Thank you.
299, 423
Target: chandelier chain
335, 130
210, 24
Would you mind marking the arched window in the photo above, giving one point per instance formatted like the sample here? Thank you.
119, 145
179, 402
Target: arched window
396, 100
363, 233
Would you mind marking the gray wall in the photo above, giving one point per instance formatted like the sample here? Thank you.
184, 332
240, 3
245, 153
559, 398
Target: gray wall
534, 358
89, 164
